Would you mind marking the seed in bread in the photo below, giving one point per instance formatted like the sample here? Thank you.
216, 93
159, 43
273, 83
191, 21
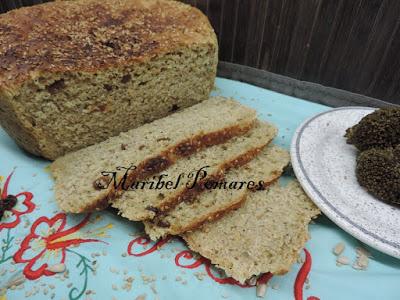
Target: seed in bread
151, 147
73, 73
145, 204
264, 235
214, 203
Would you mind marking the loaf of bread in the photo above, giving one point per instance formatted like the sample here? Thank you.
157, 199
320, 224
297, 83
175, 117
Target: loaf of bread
151, 148
144, 204
73, 73
264, 235
215, 202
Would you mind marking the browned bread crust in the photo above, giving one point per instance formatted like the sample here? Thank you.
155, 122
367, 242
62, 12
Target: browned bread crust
90, 35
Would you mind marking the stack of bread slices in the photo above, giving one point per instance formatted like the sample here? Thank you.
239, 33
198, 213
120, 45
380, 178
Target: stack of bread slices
224, 199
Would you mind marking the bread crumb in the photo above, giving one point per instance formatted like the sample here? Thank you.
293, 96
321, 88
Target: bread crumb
141, 297
148, 279
261, 289
225, 295
342, 260
200, 275
355, 266
338, 249
361, 263
362, 252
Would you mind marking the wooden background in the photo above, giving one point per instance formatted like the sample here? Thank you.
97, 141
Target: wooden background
348, 44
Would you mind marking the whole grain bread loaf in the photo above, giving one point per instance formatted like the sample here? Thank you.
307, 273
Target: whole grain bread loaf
73, 73
141, 203
264, 235
79, 184
223, 196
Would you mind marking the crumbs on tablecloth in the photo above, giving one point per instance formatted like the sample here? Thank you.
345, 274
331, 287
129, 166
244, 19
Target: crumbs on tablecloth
362, 257
141, 297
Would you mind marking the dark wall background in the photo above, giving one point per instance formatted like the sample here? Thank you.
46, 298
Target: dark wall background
348, 44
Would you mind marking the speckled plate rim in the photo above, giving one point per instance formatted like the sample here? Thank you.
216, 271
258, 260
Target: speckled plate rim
329, 209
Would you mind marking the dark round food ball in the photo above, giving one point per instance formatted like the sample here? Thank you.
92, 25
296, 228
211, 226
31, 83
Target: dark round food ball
381, 129
378, 171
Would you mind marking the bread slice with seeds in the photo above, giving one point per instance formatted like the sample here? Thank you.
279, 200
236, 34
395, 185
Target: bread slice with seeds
221, 197
79, 185
265, 234
143, 204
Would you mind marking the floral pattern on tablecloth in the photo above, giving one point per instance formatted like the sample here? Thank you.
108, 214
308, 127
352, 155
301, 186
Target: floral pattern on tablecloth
55, 241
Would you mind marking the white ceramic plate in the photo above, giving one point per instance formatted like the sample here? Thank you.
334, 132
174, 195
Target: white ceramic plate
325, 166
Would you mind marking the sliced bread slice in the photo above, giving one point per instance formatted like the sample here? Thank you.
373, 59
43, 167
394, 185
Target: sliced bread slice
79, 185
143, 203
265, 234
221, 197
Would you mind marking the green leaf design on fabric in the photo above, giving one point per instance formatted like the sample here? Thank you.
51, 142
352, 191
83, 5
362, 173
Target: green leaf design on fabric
6, 245
83, 263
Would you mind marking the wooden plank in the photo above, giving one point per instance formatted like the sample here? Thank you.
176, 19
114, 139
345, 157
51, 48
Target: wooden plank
202, 5
227, 34
215, 15
190, 2
258, 10
319, 41
387, 72
241, 26
303, 30
28, 2
280, 53
393, 93
270, 32
383, 31
352, 45
351, 57
9, 5
340, 34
